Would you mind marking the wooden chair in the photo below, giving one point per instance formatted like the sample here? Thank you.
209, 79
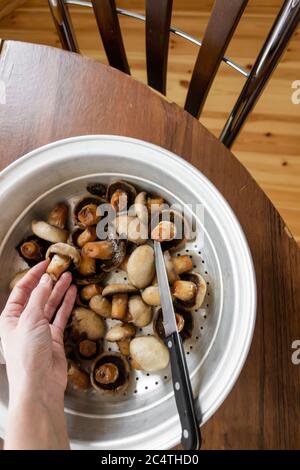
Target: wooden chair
223, 21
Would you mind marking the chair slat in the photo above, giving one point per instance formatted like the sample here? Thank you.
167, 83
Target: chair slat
110, 31
158, 20
223, 21
63, 25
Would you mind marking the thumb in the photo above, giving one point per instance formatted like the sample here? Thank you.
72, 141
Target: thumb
40, 295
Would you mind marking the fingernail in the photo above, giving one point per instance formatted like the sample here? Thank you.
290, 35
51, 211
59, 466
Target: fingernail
45, 279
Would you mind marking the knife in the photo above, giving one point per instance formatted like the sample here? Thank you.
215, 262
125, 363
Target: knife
190, 436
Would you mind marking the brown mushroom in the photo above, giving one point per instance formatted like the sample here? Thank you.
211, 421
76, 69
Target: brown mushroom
101, 305
86, 212
137, 231
77, 378
32, 249
62, 257
79, 237
87, 350
89, 291
151, 295
58, 216
97, 189
86, 324
141, 208
121, 195
98, 250
164, 231
148, 353
176, 225
140, 314
119, 332
155, 204
141, 266
184, 320
190, 283
119, 294
110, 373
49, 232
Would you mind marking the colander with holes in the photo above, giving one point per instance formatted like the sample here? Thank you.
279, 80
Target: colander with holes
145, 416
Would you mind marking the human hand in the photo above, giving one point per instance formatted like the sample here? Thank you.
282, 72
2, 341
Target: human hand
33, 347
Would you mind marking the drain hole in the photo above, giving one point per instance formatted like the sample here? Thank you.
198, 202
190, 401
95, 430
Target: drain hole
208, 293
147, 374
125, 278
199, 252
206, 272
109, 349
156, 383
165, 377
187, 250
117, 272
196, 338
194, 266
202, 261
207, 283
135, 391
195, 246
140, 329
188, 352
136, 378
207, 305
204, 317
146, 388
178, 254
201, 327
191, 347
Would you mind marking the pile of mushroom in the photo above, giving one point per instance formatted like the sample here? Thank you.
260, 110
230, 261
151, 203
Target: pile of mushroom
109, 312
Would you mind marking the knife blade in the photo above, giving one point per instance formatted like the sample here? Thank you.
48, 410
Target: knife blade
190, 435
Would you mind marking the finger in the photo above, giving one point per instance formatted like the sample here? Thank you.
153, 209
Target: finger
65, 310
35, 308
57, 295
22, 291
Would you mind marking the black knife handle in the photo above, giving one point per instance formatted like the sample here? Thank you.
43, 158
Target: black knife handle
191, 436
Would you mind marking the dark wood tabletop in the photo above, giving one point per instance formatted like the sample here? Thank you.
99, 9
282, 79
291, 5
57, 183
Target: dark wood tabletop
52, 94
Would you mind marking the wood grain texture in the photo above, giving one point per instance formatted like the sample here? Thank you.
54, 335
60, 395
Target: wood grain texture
158, 20
7, 6
222, 23
269, 143
53, 94
109, 27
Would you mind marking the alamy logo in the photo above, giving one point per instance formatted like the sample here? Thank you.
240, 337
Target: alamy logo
2, 92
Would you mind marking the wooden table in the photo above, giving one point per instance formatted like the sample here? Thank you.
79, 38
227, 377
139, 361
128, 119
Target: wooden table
51, 94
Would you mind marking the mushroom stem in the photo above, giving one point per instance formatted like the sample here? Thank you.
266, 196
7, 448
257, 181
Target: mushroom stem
88, 215
30, 249
180, 322
17, 277
184, 290
119, 200
182, 264
119, 306
99, 250
106, 374
87, 265
124, 345
58, 215
90, 291
88, 235
58, 265
164, 231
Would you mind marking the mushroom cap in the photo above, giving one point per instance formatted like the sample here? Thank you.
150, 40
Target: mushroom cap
122, 382
151, 295
77, 378
43, 247
141, 266
112, 289
119, 253
86, 200
121, 185
87, 350
120, 332
101, 305
86, 324
148, 353
137, 231
140, 313
48, 232
182, 228
185, 333
200, 283
74, 235
82, 280
97, 189
64, 249
121, 223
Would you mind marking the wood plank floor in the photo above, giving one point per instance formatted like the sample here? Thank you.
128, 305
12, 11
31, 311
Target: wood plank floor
269, 145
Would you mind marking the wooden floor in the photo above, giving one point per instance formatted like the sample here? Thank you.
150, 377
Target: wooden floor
269, 145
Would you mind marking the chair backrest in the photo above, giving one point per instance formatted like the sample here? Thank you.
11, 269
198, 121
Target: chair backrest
224, 18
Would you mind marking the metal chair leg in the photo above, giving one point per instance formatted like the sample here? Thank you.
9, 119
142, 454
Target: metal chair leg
281, 32
63, 24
